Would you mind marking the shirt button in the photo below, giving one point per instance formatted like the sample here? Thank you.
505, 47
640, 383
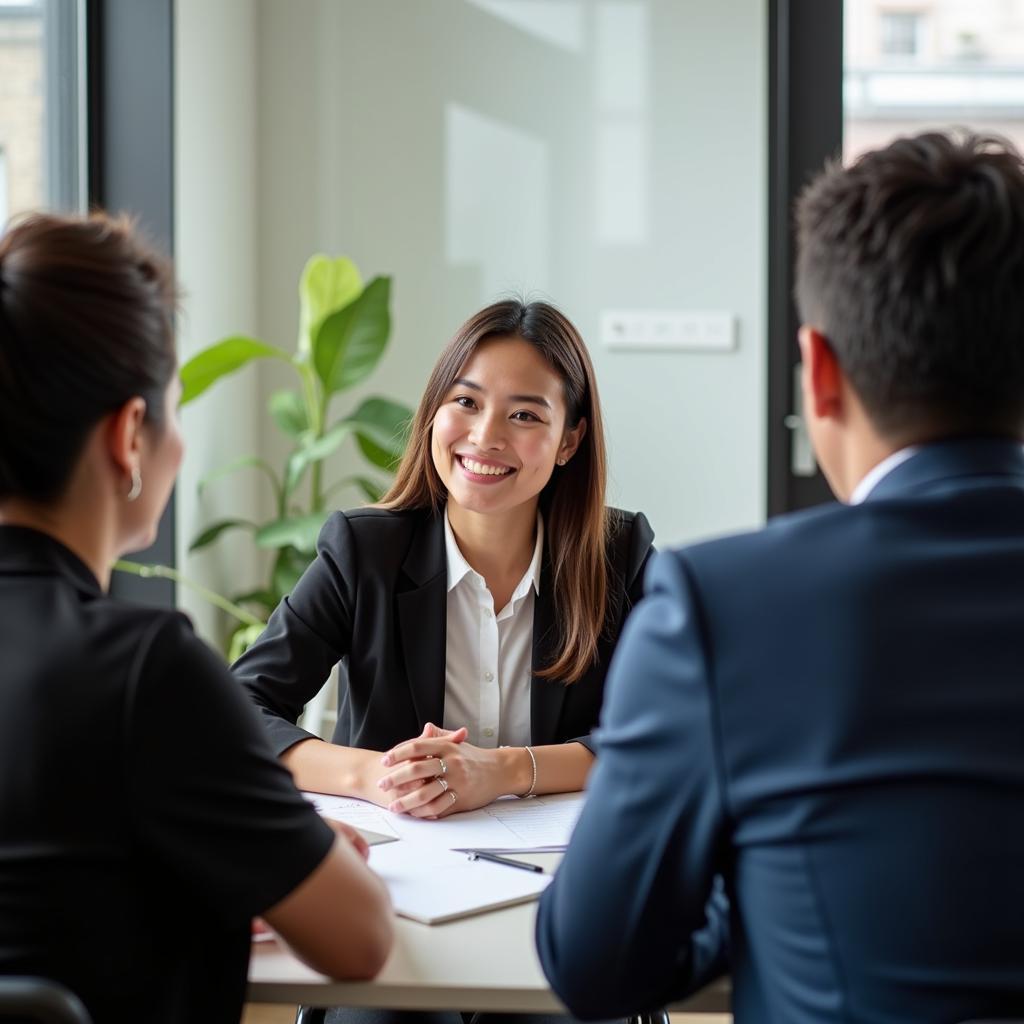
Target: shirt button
488, 613
488, 732
488, 676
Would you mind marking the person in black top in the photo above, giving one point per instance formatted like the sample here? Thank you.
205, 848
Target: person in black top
137, 839
472, 613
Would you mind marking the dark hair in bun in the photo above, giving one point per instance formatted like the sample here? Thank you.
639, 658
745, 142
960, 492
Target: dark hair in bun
86, 323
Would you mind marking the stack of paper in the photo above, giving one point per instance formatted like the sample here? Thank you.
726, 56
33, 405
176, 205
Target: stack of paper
435, 885
430, 880
510, 825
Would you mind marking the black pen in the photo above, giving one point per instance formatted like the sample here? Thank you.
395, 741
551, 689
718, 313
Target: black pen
483, 855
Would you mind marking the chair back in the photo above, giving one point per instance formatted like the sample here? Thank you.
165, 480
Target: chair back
40, 1000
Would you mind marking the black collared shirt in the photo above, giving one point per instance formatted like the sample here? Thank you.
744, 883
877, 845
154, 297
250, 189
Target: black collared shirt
144, 819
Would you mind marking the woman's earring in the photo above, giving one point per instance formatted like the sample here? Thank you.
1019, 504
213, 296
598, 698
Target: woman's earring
136, 488
562, 462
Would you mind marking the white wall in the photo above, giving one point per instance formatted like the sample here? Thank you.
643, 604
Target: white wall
599, 153
216, 232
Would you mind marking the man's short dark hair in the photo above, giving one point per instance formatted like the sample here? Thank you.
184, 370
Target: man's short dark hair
911, 263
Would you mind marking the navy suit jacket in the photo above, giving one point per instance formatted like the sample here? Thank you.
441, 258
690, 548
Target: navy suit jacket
830, 714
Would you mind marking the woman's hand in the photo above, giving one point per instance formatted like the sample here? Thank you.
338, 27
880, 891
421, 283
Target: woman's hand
474, 774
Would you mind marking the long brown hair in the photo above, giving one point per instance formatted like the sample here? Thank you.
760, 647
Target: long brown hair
576, 524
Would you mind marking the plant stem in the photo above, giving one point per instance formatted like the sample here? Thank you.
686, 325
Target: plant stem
316, 413
167, 573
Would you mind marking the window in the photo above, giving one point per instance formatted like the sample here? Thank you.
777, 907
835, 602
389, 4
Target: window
970, 74
41, 104
900, 33
835, 83
3, 187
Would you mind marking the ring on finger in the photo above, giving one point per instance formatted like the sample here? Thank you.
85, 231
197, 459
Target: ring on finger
443, 783
453, 795
443, 765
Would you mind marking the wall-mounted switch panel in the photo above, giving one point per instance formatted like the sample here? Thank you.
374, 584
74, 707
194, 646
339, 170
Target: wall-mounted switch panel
669, 330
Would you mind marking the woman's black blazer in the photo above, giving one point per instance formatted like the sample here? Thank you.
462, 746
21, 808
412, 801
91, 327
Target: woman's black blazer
375, 602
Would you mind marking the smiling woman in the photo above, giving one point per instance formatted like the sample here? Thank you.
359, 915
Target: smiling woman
474, 611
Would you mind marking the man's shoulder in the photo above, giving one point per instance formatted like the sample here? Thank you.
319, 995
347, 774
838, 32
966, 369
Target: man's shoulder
783, 535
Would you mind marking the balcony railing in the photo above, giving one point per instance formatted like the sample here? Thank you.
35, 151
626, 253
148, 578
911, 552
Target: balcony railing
935, 91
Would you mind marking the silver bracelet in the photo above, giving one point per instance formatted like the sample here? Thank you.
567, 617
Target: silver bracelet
533, 782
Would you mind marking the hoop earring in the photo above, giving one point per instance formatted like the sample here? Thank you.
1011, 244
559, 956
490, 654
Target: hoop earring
136, 488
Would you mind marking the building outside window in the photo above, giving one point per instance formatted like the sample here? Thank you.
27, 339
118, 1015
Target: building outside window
900, 33
41, 106
945, 64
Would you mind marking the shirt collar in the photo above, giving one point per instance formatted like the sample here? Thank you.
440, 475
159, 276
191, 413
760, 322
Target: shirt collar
878, 473
25, 550
458, 567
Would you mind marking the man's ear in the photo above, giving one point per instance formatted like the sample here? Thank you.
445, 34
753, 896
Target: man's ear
124, 435
822, 376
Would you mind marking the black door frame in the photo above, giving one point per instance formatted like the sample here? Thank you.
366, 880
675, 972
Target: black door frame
805, 128
130, 155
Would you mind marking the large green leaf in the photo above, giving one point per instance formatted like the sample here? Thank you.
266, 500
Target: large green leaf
326, 285
261, 597
349, 343
242, 638
242, 462
288, 567
299, 532
212, 532
372, 489
313, 451
289, 412
382, 430
227, 356
293, 470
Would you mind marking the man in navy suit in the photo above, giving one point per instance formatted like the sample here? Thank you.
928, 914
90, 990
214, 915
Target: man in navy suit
828, 714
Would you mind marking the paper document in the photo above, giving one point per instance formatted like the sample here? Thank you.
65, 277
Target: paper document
368, 818
543, 824
434, 885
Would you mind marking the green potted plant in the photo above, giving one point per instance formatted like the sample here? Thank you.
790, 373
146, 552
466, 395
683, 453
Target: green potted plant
344, 327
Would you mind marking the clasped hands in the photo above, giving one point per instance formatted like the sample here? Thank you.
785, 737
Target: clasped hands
439, 773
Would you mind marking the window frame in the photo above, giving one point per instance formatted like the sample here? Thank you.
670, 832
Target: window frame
805, 128
130, 159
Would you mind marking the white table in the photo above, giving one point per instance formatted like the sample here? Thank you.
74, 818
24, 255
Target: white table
487, 962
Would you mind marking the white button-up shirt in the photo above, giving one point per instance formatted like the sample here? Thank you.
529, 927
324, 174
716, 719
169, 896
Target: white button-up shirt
489, 657
875, 476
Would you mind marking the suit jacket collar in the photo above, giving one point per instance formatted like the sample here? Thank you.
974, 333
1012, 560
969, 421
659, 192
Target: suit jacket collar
954, 465
423, 621
546, 695
423, 617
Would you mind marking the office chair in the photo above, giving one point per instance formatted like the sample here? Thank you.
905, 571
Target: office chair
40, 1000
